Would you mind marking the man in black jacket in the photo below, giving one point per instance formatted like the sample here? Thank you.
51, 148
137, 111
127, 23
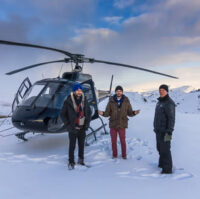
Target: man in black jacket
76, 115
164, 121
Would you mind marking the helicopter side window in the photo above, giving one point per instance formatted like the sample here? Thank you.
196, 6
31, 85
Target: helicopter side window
32, 94
88, 92
87, 89
61, 96
48, 95
53, 96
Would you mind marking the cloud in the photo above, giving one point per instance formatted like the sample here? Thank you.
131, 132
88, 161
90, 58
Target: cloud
113, 20
58, 19
185, 3
16, 28
54, 10
162, 38
178, 59
188, 77
93, 41
121, 4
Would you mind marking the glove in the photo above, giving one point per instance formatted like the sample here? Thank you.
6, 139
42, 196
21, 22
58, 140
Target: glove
169, 132
167, 137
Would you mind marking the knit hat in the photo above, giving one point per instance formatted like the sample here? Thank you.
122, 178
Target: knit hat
164, 86
77, 86
119, 88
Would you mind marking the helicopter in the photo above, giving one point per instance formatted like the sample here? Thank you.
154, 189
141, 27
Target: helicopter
36, 107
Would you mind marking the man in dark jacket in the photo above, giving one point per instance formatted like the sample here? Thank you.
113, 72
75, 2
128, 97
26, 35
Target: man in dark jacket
118, 108
76, 115
164, 121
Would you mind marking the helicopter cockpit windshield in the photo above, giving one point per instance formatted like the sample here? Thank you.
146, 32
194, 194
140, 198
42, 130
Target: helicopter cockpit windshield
51, 95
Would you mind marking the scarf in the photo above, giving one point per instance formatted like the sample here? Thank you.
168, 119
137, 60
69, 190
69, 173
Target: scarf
120, 101
78, 107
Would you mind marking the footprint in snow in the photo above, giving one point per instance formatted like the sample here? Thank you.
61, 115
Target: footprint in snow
19, 158
182, 176
178, 174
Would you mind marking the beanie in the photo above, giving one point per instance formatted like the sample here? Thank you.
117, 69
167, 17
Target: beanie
164, 86
77, 86
119, 88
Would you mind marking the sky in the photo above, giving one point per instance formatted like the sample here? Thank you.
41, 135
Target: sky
158, 35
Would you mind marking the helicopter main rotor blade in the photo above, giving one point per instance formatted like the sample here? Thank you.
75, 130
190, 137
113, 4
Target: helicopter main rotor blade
35, 65
35, 46
129, 66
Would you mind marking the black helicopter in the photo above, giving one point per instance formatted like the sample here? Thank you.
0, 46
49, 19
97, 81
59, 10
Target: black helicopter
36, 107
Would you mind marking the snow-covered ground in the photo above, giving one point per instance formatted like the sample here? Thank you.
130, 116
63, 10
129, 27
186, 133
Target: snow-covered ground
38, 168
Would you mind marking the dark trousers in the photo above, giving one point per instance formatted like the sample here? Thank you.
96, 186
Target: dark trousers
165, 159
73, 136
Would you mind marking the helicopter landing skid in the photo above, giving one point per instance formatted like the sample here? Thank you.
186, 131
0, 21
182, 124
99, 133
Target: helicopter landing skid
103, 125
21, 135
93, 133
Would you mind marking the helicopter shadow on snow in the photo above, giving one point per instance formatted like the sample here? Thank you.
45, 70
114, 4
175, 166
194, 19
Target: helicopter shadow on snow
45, 142
42, 149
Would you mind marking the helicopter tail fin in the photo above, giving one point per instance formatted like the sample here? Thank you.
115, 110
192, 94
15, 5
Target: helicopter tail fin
111, 82
102, 95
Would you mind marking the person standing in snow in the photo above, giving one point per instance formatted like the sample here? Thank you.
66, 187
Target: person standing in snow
118, 108
164, 121
76, 115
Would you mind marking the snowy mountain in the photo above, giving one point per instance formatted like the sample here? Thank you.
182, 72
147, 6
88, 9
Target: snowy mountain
5, 108
186, 98
38, 168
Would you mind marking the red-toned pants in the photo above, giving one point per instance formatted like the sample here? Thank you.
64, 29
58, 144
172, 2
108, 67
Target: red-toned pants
122, 137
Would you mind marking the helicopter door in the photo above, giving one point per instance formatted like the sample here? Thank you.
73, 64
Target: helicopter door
23, 89
89, 91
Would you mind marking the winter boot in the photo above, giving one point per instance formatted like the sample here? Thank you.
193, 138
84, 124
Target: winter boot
166, 171
81, 162
71, 165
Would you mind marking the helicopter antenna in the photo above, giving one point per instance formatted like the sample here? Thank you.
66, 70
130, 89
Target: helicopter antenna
60, 70
72, 65
82, 65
